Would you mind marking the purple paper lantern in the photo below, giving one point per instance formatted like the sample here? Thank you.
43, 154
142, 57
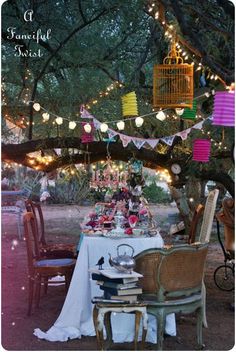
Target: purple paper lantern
201, 150
224, 109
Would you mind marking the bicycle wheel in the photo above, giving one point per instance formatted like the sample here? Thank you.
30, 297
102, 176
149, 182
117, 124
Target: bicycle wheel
224, 277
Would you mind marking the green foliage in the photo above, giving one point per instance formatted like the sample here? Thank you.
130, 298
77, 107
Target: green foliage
156, 194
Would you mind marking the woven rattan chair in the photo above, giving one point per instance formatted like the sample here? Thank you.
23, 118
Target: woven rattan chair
40, 270
172, 283
55, 250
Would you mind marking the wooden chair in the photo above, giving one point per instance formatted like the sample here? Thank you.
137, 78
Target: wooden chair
172, 283
40, 270
57, 250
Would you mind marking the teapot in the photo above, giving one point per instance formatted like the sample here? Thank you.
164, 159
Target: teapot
123, 262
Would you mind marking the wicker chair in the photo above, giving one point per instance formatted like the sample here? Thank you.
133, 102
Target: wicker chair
40, 269
172, 283
57, 250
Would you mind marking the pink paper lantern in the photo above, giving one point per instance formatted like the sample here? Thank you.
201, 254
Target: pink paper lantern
224, 109
201, 150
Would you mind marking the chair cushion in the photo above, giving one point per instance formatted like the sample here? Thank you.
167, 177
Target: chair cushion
54, 262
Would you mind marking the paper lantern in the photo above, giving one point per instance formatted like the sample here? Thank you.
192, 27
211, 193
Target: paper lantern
120, 125
129, 104
45, 116
173, 82
104, 127
36, 106
201, 150
87, 137
72, 125
224, 109
139, 121
190, 113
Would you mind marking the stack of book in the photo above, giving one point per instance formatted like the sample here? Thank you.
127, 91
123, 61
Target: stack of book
117, 286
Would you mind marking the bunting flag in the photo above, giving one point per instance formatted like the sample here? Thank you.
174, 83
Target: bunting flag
140, 142
85, 114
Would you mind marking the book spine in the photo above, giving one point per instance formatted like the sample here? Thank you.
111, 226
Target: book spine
100, 277
119, 292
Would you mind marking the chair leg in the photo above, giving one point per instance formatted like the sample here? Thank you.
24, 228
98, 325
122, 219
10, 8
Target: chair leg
31, 295
204, 304
200, 314
45, 283
160, 329
138, 316
37, 291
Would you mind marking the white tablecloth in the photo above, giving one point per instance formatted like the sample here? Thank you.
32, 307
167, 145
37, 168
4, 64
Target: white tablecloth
76, 315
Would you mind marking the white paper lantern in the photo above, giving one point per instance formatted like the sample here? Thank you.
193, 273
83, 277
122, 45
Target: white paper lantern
104, 127
72, 125
36, 106
59, 120
45, 116
139, 121
161, 115
179, 111
87, 128
120, 125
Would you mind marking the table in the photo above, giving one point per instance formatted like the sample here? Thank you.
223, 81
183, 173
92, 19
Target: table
75, 318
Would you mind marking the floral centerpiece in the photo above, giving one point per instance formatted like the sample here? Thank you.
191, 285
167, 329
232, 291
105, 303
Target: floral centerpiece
133, 219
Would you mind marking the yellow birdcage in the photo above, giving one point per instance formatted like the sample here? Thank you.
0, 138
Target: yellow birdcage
173, 82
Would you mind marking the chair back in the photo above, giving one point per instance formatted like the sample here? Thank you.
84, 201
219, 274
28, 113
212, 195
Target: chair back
36, 209
208, 216
172, 272
195, 223
31, 237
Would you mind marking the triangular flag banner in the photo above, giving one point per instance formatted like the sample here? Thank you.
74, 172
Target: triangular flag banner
85, 114
168, 140
125, 139
184, 134
138, 142
97, 123
198, 126
152, 142
112, 133
190, 114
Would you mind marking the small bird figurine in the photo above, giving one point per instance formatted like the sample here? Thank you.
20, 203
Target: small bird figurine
100, 263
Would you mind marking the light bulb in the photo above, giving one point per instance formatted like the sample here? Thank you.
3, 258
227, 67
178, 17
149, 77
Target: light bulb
59, 120
207, 94
87, 128
36, 106
104, 127
161, 115
179, 111
45, 116
72, 125
120, 125
139, 121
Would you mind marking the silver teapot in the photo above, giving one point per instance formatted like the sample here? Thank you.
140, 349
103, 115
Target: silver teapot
124, 263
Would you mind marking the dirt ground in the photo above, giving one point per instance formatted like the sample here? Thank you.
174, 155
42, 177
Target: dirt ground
62, 225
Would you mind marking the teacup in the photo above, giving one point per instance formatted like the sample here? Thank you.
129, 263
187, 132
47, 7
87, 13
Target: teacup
138, 232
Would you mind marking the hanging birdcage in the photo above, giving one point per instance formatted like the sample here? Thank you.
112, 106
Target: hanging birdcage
173, 82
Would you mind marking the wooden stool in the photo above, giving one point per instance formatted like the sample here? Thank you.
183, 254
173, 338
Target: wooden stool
102, 313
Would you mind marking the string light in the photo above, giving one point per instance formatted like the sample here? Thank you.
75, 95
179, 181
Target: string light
72, 125
161, 115
120, 125
87, 128
36, 106
59, 120
104, 127
45, 116
139, 121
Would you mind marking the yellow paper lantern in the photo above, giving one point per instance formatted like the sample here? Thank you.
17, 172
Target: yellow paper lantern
173, 82
129, 104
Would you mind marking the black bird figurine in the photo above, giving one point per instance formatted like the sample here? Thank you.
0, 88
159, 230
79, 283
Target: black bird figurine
100, 263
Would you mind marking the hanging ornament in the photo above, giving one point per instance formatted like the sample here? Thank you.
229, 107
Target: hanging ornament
87, 133
139, 121
36, 106
173, 82
59, 120
72, 125
201, 150
129, 104
161, 115
224, 109
45, 116
104, 127
120, 125
190, 113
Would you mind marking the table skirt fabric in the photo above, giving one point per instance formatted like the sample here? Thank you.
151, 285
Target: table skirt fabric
76, 319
